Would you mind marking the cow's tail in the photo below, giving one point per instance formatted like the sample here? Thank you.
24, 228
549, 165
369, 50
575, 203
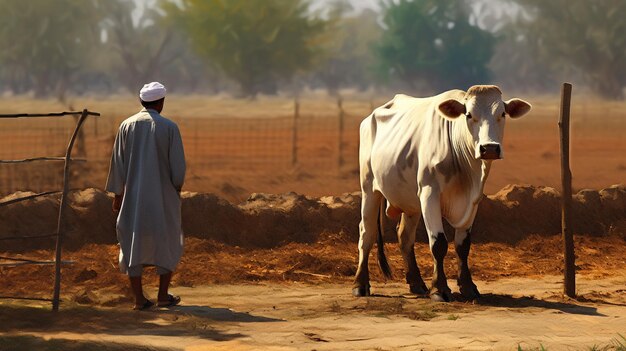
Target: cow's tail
382, 258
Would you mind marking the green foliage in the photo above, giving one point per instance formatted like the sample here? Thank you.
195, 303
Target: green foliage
348, 58
617, 344
43, 43
255, 42
433, 44
620, 343
580, 38
140, 48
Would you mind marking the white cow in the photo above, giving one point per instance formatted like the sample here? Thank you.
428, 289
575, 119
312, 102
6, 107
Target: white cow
431, 157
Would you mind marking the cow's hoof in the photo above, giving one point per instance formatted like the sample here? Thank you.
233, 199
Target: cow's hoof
441, 296
418, 289
470, 292
361, 291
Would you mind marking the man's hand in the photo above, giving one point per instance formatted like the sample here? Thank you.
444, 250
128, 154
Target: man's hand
117, 203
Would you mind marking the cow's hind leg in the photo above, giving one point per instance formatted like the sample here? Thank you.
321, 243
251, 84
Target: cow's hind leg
462, 243
431, 209
406, 238
370, 204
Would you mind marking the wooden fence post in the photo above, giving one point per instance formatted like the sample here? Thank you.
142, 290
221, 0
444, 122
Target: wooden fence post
340, 132
95, 128
566, 193
196, 138
294, 132
61, 223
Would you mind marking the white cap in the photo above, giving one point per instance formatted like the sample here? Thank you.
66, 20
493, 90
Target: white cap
152, 92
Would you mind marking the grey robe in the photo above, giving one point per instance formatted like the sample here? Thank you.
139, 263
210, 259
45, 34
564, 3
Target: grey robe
148, 167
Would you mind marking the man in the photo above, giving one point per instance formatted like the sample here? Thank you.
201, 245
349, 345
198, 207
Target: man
146, 175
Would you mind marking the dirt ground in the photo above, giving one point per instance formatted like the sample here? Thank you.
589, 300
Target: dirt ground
513, 313
297, 297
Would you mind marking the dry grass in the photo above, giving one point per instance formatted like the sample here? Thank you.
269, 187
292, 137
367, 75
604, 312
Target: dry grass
209, 262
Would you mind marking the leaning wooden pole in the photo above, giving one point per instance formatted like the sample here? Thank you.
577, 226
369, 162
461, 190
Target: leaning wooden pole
61, 223
566, 193
294, 132
340, 129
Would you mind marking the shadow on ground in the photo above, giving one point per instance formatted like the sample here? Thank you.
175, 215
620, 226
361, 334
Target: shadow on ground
402, 303
29, 342
219, 314
197, 321
497, 300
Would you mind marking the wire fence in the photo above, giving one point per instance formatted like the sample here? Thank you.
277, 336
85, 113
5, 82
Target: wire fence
213, 145
62, 220
306, 139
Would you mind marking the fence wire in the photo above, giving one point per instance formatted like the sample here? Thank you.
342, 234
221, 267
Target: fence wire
212, 146
216, 145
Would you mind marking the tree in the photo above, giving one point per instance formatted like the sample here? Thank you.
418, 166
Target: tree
348, 58
584, 38
144, 47
257, 43
433, 44
517, 65
45, 43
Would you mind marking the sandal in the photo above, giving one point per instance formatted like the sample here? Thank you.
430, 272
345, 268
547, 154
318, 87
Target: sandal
146, 305
171, 301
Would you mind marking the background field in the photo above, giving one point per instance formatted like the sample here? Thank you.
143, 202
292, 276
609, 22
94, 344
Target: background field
235, 147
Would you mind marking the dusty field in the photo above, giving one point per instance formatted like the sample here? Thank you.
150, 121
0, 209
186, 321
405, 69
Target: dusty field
297, 297
273, 272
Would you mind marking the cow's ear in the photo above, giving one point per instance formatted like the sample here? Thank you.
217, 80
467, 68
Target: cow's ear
452, 108
516, 108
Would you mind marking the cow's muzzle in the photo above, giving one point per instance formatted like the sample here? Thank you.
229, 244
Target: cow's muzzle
490, 151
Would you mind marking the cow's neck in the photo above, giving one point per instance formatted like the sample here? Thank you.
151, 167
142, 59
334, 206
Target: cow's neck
463, 150
471, 177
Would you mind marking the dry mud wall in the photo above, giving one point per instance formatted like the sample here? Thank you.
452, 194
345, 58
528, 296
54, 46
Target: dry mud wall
266, 220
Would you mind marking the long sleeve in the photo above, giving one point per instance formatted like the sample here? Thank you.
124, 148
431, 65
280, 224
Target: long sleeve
177, 159
117, 169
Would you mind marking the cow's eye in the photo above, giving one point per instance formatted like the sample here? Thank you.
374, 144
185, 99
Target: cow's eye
469, 115
503, 114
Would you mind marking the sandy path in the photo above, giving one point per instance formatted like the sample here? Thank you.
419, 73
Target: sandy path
528, 312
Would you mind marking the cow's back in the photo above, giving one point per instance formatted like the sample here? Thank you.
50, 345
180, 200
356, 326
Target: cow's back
405, 117
392, 139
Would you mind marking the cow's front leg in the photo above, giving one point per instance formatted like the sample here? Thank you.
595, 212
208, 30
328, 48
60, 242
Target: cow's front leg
406, 238
462, 243
431, 209
367, 229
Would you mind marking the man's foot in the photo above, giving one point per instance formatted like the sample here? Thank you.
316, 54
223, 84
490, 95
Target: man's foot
146, 305
171, 301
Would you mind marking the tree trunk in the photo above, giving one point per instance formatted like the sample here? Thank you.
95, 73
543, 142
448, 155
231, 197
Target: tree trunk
41, 86
609, 88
